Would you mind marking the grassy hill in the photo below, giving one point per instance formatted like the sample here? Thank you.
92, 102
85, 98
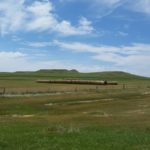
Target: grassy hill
71, 74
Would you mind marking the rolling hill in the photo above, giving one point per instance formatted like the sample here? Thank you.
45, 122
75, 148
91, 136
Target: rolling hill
70, 74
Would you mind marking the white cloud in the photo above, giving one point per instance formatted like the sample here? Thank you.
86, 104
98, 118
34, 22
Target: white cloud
109, 3
106, 7
135, 57
104, 2
12, 55
12, 15
142, 6
136, 48
16, 38
66, 28
16, 61
37, 44
38, 16
122, 34
98, 8
10, 60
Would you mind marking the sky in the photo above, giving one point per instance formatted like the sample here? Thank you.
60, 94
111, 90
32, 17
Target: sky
87, 35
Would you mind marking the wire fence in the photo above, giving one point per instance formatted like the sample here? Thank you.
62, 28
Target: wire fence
71, 88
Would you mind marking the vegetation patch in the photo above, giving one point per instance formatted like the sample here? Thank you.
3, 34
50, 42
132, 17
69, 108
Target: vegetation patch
80, 117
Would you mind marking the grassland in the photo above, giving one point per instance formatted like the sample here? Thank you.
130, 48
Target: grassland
74, 117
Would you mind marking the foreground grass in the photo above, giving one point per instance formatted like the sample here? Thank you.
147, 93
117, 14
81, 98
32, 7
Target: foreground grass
29, 136
104, 120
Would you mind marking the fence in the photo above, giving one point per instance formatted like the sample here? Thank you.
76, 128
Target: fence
53, 88
2, 90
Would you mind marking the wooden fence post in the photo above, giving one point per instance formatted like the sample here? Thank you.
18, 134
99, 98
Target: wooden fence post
124, 86
3, 91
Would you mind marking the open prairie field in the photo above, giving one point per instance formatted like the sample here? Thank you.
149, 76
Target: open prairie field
74, 117
25, 82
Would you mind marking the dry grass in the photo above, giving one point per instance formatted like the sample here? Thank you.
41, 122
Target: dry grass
87, 118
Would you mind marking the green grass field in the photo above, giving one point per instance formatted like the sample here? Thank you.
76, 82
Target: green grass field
74, 117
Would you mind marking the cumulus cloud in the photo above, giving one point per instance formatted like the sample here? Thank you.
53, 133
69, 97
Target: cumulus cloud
40, 16
12, 15
37, 16
66, 28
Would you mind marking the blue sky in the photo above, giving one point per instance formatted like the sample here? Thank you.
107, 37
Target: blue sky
97, 35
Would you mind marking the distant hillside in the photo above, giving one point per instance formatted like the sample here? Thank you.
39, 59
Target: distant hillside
118, 75
71, 74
